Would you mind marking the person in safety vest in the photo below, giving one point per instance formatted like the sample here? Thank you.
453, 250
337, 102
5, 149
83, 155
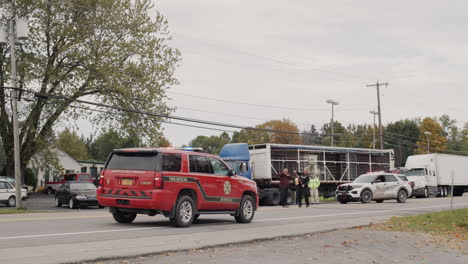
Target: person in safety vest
314, 184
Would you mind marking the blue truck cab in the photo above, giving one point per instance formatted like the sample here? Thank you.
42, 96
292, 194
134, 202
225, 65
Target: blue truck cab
237, 156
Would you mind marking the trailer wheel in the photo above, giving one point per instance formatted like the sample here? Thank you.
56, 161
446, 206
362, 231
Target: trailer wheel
291, 196
272, 197
458, 191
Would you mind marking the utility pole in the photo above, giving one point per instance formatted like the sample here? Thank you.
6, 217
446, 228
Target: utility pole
374, 113
427, 133
377, 85
333, 103
16, 150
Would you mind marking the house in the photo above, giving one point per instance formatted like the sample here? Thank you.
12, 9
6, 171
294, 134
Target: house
92, 167
65, 161
46, 172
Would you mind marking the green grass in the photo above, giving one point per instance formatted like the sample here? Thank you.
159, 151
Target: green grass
454, 222
327, 199
14, 211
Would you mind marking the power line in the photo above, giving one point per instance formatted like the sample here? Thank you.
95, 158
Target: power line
257, 105
432, 148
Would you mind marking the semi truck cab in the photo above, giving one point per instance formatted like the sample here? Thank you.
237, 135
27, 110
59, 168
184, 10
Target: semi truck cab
237, 156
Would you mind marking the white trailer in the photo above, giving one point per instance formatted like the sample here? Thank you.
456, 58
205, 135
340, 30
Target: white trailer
432, 174
333, 165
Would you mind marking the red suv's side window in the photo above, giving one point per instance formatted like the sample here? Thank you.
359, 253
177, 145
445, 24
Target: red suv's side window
171, 162
200, 164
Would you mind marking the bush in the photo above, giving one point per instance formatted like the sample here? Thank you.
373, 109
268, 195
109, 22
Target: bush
30, 178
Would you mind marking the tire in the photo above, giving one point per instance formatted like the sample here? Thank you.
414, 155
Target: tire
343, 201
366, 196
50, 191
379, 201
124, 218
402, 196
290, 198
57, 202
458, 191
196, 217
276, 198
246, 210
184, 212
11, 201
72, 203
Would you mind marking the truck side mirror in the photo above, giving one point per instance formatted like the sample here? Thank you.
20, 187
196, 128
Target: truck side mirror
232, 172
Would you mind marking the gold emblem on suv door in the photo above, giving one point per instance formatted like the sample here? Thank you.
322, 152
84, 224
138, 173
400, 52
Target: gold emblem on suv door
227, 187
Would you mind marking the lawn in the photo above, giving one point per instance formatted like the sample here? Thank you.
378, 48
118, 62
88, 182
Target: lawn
13, 211
442, 223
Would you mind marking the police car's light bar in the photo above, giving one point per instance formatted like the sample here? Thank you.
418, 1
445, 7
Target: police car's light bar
194, 149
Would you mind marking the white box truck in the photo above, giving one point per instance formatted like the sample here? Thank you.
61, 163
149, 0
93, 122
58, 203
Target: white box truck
432, 174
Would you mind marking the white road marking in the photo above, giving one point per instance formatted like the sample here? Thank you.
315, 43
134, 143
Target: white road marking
355, 213
79, 233
261, 220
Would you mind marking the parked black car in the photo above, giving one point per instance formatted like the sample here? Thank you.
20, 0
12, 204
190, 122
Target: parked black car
76, 194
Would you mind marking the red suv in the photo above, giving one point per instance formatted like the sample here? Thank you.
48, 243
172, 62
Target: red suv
179, 184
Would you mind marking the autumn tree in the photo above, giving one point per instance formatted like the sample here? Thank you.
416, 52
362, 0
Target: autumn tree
437, 140
69, 142
106, 51
286, 125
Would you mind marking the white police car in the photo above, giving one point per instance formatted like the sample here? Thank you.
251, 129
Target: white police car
374, 187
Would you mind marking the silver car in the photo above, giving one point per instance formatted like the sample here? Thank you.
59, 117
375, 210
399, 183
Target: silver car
374, 187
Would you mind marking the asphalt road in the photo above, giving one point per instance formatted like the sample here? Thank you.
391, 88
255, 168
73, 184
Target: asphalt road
91, 234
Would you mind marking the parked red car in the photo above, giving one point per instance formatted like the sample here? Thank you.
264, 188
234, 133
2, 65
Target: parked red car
53, 186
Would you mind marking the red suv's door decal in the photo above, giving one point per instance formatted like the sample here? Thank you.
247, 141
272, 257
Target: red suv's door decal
205, 197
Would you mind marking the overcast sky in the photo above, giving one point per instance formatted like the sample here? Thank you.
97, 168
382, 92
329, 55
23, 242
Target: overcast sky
296, 54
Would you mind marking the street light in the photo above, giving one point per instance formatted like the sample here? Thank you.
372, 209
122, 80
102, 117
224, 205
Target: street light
427, 133
333, 103
374, 113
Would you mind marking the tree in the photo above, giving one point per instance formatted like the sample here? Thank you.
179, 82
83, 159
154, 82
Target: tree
69, 142
110, 52
251, 136
402, 136
437, 140
340, 139
311, 136
452, 132
212, 144
101, 148
285, 125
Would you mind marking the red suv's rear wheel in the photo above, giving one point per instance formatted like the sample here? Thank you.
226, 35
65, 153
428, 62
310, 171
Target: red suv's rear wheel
124, 218
184, 212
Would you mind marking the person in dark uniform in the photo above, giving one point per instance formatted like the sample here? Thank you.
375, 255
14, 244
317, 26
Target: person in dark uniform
284, 186
299, 187
305, 178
